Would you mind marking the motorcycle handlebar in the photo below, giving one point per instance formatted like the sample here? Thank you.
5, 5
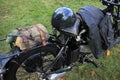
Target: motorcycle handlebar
111, 2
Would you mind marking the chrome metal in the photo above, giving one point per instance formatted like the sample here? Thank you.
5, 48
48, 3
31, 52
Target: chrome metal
56, 76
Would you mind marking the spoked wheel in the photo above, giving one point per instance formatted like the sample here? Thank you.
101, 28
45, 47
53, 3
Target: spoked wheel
31, 66
34, 67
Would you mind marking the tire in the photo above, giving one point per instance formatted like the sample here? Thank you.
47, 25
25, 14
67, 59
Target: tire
16, 67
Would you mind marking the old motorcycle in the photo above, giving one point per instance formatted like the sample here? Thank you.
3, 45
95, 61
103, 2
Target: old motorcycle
61, 52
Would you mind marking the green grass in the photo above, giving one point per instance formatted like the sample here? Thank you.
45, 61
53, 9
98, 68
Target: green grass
21, 13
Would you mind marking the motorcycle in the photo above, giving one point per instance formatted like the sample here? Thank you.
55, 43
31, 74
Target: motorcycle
61, 52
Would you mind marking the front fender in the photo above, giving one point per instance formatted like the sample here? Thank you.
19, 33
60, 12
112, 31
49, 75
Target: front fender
14, 63
3, 60
25, 54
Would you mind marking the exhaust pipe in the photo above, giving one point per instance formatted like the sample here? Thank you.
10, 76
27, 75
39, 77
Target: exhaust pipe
59, 73
56, 76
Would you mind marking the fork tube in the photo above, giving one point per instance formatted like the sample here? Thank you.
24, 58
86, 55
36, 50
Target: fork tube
58, 56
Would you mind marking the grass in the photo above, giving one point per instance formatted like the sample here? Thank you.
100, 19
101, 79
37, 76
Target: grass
21, 13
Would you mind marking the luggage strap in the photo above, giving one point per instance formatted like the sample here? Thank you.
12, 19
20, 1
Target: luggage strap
42, 36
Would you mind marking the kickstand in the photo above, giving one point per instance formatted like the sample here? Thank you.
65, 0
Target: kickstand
93, 62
